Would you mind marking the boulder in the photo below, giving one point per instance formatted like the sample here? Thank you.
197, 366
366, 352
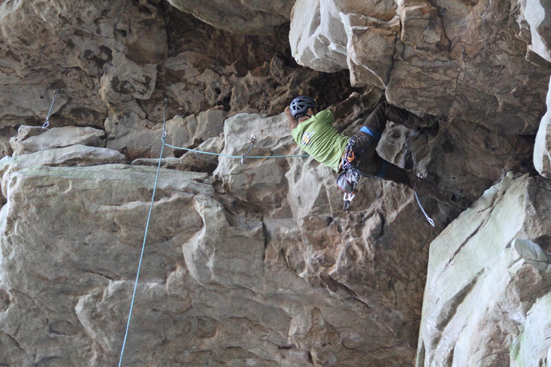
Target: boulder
488, 280
537, 15
317, 36
75, 155
31, 139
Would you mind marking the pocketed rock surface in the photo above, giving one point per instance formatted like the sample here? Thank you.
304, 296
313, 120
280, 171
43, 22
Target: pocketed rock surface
256, 264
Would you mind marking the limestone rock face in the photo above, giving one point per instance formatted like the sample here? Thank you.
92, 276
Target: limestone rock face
537, 15
64, 45
113, 65
534, 19
256, 263
542, 147
488, 279
59, 304
76, 155
251, 274
239, 16
31, 139
448, 58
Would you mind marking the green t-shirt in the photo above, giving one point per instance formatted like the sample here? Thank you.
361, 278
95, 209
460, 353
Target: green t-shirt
317, 137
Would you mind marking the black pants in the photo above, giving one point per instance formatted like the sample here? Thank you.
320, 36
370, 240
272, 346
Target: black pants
370, 164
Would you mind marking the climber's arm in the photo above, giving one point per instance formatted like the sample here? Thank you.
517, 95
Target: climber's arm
342, 108
292, 121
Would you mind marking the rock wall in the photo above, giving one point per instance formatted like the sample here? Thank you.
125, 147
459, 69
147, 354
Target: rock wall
462, 59
256, 264
243, 16
486, 301
235, 272
113, 64
542, 147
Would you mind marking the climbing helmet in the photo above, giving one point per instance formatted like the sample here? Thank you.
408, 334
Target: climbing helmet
300, 105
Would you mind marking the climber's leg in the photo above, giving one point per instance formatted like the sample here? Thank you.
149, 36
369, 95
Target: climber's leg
385, 112
419, 185
375, 166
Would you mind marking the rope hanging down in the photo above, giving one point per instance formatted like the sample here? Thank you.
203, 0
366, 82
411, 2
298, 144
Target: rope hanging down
141, 255
163, 140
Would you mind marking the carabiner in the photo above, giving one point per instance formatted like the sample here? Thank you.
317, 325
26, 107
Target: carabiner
46, 123
348, 197
253, 140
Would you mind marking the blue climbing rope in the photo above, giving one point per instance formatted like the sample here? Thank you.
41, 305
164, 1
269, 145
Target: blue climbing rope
143, 248
163, 140
238, 156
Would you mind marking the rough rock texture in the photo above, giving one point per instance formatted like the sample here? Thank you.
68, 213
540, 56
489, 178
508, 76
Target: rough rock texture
542, 147
488, 281
256, 264
534, 20
114, 62
453, 58
31, 139
537, 16
191, 160
255, 274
239, 16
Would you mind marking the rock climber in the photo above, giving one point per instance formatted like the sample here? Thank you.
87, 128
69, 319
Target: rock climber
315, 134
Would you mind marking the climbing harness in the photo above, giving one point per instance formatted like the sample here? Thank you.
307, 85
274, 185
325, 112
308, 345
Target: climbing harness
163, 140
350, 177
47, 122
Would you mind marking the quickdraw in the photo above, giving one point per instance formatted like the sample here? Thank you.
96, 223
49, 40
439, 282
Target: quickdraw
47, 122
253, 140
350, 177
348, 197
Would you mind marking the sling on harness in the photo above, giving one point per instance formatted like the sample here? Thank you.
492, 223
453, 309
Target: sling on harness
350, 177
